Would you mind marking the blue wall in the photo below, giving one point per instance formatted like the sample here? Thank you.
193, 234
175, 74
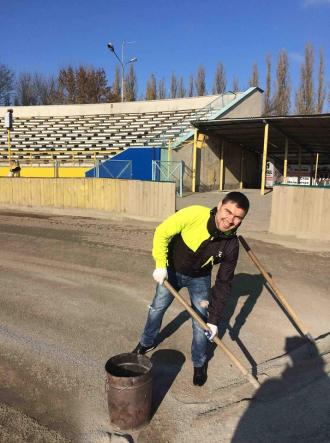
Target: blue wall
141, 164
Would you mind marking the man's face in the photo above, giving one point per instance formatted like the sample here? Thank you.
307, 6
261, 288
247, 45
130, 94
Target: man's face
228, 216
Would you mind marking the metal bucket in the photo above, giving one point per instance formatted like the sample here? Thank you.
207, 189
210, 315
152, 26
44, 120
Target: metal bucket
129, 389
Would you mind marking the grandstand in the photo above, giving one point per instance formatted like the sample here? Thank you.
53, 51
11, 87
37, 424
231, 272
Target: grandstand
79, 135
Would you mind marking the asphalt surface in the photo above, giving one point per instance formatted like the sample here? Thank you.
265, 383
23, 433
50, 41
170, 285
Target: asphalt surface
75, 291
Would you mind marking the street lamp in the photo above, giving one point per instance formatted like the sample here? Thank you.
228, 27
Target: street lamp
122, 63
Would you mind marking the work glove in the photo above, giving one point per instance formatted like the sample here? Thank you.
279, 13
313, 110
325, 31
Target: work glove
212, 332
159, 275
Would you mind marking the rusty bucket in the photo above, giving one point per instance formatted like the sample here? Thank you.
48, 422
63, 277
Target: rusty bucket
129, 389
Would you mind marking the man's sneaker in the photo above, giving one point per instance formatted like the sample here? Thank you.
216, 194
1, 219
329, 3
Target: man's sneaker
143, 349
200, 375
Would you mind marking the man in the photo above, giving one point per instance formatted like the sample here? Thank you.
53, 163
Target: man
15, 169
185, 248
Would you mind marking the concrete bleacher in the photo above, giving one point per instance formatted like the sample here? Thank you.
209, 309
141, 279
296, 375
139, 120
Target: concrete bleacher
67, 133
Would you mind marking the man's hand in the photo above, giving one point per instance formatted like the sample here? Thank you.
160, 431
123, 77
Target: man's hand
212, 332
159, 275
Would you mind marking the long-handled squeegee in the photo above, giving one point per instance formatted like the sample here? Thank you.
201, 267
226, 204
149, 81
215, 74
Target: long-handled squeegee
277, 293
216, 340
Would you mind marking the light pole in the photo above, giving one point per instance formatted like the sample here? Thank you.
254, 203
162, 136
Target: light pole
122, 63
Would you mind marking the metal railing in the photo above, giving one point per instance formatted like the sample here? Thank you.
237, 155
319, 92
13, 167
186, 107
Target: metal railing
204, 113
169, 171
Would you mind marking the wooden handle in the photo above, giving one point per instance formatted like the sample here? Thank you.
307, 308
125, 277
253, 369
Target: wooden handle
216, 340
278, 294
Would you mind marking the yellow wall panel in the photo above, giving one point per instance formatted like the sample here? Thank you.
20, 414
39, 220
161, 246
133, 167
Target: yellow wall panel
127, 197
47, 171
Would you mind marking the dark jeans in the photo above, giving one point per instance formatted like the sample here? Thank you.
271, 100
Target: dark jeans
199, 291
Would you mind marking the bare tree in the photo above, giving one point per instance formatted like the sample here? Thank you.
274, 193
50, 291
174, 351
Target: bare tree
6, 85
40, 84
191, 86
92, 86
161, 89
282, 94
200, 84
25, 91
254, 79
36, 89
181, 91
151, 89
116, 85
173, 86
130, 84
267, 94
321, 87
46, 90
98, 90
67, 85
219, 85
235, 85
305, 100
83, 85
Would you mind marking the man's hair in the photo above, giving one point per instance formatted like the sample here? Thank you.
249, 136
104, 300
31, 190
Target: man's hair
239, 199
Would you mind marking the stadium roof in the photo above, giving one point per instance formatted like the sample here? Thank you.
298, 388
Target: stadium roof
311, 133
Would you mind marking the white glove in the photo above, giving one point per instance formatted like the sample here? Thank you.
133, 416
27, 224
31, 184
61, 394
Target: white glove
159, 275
212, 332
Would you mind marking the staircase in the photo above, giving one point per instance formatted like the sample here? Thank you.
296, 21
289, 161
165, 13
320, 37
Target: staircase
184, 130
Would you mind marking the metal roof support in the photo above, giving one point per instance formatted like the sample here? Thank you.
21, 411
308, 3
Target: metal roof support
311, 170
222, 150
193, 184
316, 165
241, 169
280, 131
285, 165
264, 159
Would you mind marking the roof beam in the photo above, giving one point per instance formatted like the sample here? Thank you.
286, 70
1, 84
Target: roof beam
280, 131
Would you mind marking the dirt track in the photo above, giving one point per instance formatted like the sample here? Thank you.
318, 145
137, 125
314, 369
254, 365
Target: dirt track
74, 291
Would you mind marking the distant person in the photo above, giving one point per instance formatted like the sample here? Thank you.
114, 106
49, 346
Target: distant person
185, 248
15, 169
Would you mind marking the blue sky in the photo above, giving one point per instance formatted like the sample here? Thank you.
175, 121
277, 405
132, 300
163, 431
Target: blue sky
170, 35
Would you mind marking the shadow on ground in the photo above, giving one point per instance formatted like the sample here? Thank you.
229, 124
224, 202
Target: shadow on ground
292, 407
249, 287
172, 326
166, 365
